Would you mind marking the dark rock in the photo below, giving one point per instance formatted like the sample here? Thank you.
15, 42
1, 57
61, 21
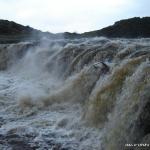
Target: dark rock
129, 28
105, 68
11, 32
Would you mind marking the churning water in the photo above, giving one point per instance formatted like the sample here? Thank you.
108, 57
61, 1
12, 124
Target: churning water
84, 94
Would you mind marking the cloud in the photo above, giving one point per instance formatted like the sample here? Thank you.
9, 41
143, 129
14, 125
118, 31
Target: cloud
69, 15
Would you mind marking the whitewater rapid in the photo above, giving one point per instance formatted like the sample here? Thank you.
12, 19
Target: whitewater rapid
82, 94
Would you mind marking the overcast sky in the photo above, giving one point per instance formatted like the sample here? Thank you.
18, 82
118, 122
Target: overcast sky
71, 15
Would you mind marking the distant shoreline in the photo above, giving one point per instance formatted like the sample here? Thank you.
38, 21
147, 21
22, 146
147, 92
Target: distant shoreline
11, 32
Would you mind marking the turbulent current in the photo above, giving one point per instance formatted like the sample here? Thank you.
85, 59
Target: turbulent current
81, 94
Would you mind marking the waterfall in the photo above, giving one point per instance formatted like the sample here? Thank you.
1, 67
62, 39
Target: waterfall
102, 83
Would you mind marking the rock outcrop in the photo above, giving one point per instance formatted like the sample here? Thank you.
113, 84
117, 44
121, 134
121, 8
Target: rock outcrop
129, 28
11, 32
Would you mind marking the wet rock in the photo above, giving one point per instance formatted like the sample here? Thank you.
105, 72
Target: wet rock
105, 68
